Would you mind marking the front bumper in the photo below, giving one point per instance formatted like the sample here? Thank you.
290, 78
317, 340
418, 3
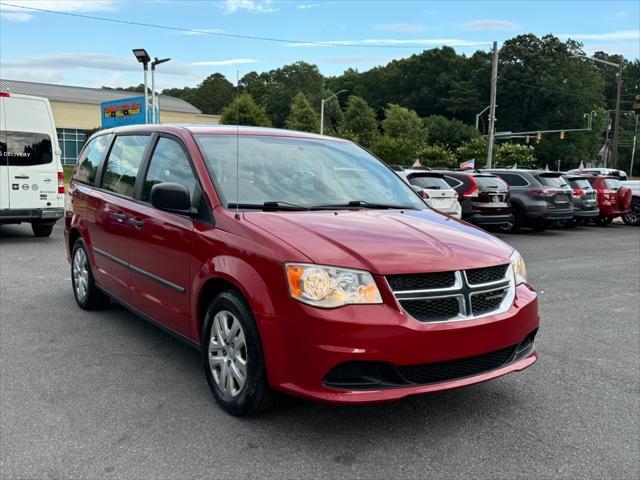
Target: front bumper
31, 215
301, 350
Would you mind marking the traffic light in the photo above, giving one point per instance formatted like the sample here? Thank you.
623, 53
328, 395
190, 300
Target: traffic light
561, 135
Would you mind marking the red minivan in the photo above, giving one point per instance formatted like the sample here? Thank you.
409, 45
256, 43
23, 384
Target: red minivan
249, 244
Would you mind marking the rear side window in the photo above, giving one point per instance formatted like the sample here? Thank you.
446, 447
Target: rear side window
169, 163
123, 164
552, 181
453, 182
612, 183
580, 183
489, 182
436, 183
24, 149
513, 179
90, 159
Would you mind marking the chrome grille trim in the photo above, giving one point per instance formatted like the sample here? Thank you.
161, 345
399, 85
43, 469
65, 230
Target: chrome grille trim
464, 293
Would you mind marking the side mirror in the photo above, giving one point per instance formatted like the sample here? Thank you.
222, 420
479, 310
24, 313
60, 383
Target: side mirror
172, 197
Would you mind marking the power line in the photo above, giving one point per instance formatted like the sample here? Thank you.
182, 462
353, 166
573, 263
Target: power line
545, 89
221, 34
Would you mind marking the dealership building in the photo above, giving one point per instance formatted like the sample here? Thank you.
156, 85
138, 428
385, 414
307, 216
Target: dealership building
77, 111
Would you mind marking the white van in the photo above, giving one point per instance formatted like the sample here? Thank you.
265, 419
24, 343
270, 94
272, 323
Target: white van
31, 176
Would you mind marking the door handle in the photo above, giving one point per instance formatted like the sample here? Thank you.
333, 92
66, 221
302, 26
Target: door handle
120, 217
136, 222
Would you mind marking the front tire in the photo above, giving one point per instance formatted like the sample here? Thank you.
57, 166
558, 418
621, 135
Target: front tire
232, 357
42, 230
85, 291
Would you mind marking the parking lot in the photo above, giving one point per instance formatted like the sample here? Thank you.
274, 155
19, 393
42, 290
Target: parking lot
106, 395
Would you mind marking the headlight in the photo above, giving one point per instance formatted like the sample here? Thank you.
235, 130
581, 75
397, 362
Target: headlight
519, 269
329, 287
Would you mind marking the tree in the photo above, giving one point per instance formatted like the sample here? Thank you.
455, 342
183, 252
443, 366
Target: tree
302, 117
210, 96
244, 111
133, 88
360, 120
436, 156
510, 154
476, 148
448, 133
400, 122
333, 115
395, 151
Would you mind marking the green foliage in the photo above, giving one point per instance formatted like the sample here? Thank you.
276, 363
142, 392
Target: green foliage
333, 115
302, 117
210, 96
451, 134
400, 122
360, 120
437, 156
395, 150
244, 111
476, 148
509, 154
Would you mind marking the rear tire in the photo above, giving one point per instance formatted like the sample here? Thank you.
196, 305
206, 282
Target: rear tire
42, 229
85, 291
232, 357
633, 217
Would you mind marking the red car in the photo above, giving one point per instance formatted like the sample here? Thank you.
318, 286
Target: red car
614, 200
252, 247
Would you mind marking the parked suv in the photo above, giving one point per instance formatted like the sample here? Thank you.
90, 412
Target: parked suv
614, 200
286, 278
484, 198
434, 190
538, 198
585, 200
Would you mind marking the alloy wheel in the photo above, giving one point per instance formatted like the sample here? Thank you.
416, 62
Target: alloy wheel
227, 353
80, 274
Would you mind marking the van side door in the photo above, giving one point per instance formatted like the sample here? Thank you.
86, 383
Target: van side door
4, 166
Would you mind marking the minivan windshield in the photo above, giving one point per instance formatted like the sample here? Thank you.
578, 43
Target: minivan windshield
295, 172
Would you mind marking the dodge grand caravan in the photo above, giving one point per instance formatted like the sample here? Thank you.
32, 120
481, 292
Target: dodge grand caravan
242, 243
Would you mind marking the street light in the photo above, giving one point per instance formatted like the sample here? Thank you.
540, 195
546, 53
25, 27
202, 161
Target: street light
324, 100
479, 115
617, 114
143, 57
153, 86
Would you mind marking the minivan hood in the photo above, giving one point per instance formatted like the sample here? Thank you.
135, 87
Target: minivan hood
385, 241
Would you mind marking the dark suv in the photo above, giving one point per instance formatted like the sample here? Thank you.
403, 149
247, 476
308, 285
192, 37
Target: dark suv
538, 198
484, 198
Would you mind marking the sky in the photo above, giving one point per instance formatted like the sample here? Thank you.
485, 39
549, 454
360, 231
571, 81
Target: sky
54, 48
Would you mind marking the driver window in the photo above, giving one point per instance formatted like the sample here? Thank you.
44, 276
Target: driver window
169, 163
123, 163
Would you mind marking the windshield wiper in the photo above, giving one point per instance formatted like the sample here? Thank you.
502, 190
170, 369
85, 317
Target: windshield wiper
273, 205
363, 204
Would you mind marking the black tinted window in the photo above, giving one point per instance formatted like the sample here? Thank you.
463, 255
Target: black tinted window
552, 181
430, 182
489, 182
513, 179
580, 183
123, 164
22, 149
89, 161
453, 182
169, 163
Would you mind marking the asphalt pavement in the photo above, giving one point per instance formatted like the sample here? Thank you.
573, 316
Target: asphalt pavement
105, 395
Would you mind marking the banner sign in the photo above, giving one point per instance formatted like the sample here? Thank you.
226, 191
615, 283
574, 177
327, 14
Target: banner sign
128, 111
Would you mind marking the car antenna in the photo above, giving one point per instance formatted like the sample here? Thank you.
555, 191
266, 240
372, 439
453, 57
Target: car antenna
237, 146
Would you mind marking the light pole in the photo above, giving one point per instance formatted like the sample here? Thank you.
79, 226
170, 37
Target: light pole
153, 86
616, 131
324, 100
479, 115
633, 149
143, 57
492, 110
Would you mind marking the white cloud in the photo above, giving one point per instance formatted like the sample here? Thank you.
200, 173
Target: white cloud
422, 42
307, 6
400, 27
609, 36
490, 25
14, 13
252, 6
229, 61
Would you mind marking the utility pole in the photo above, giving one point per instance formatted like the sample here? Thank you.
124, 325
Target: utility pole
616, 132
492, 107
633, 149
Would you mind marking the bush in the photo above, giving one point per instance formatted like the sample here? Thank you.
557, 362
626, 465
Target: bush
244, 111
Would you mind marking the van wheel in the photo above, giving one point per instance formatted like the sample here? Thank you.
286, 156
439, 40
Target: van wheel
84, 287
232, 357
42, 229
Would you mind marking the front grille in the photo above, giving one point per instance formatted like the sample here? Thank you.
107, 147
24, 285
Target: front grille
421, 281
485, 275
464, 367
432, 310
487, 301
